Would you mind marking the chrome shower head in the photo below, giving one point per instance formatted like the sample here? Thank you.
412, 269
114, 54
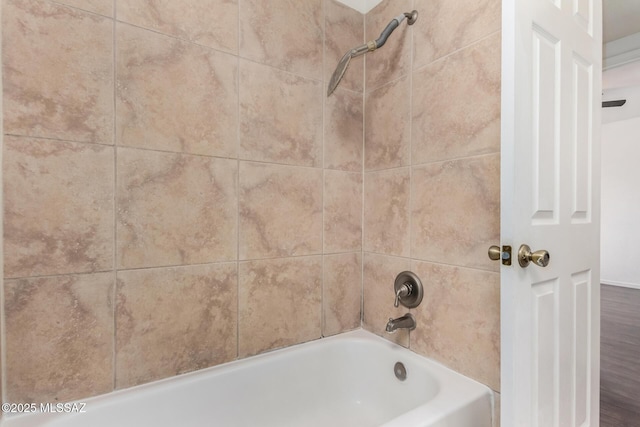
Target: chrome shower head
368, 47
344, 63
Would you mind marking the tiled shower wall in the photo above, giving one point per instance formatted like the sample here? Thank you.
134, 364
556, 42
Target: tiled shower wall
432, 179
178, 191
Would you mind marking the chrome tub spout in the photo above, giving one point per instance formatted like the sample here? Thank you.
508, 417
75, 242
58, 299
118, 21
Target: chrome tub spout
405, 322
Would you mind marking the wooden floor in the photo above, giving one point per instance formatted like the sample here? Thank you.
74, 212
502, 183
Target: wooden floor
620, 357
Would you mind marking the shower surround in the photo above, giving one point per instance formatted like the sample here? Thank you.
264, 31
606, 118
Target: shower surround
178, 192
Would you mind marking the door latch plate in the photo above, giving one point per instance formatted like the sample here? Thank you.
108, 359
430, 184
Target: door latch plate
506, 255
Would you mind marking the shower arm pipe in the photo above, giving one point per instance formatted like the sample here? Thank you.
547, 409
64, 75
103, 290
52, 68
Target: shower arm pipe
384, 35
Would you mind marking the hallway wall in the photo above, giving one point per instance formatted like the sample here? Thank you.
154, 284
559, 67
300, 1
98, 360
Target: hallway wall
620, 208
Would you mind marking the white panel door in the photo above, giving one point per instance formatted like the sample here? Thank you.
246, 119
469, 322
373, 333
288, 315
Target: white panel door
551, 94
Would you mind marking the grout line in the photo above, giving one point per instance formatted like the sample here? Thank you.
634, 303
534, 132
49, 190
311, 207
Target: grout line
410, 121
389, 82
175, 266
125, 270
431, 262
238, 188
47, 138
114, 295
458, 50
155, 150
324, 172
3, 334
79, 9
209, 156
362, 170
436, 162
288, 72
172, 36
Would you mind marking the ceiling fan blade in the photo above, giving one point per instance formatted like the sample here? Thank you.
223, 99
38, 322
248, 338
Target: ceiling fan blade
618, 103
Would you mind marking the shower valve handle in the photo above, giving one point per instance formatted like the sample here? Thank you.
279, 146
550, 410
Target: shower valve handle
403, 291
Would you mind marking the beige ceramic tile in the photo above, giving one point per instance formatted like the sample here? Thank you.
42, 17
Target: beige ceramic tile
392, 60
280, 116
386, 212
343, 130
388, 123
496, 409
456, 211
456, 105
286, 34
59, 337
57, 72
280, 211
212, 23
175, 209
58, 207
280, 303
175, 96
342, 211
458, 322
445, 26
379, 274
174, 320
344, 30
101, 7
342, 293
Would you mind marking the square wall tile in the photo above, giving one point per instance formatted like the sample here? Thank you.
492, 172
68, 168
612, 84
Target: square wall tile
285, 34
344, 30
456, 104
445, 26
59, 337
388, 119
174, 320
58, 207
458, 322
280, 303
393, 60
343, 131
386, 213
379, 275
456, 211
101, 7
342, 211
175, 209
175, 96
342, 296
211, 23
280, 211
57, 72
280, 116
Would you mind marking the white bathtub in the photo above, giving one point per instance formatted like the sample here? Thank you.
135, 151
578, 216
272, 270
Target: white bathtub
342, 381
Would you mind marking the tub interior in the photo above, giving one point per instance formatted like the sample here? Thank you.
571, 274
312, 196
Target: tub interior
339, 381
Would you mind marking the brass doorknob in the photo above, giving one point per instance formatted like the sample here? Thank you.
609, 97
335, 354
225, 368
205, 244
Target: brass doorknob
495, 253
539, 258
